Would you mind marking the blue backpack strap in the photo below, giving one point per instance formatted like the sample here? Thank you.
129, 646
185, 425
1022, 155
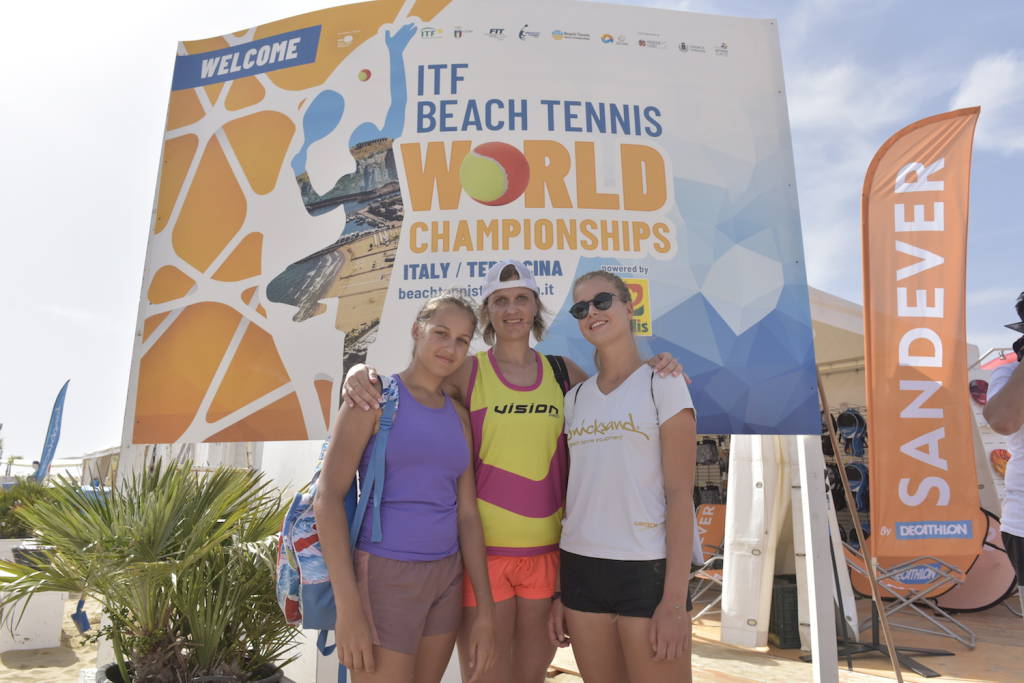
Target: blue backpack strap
373, 485
321, 643
387, 419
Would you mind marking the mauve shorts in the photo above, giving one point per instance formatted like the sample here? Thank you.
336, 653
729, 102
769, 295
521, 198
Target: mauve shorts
405, 601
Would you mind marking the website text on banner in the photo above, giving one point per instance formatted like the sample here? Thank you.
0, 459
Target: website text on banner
324, 174
924, 493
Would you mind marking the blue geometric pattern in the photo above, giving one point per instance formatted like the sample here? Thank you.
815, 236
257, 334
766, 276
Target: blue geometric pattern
751, 358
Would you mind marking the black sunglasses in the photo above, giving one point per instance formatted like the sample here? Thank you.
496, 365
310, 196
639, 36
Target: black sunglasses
602, 302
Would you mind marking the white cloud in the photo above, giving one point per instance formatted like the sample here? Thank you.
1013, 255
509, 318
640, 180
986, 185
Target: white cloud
840, 114
993, 295
996, 83
850, 98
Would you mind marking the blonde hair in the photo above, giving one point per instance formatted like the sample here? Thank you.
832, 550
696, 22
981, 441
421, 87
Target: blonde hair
509, 273
611, 278
615, 281
452, 298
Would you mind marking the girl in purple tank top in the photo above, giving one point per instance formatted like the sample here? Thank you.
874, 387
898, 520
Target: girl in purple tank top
399, 600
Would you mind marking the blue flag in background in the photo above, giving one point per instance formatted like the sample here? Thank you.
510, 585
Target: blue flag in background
52, 434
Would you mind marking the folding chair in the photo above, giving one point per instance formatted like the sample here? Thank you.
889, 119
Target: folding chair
914, 584
711, 527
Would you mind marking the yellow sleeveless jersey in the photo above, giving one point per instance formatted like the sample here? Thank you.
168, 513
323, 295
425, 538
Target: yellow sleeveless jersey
519, 455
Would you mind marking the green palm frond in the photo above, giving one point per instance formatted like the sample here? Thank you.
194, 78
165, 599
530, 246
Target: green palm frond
181, 562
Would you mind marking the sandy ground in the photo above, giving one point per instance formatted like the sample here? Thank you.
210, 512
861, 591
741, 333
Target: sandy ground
996, 658
53, 665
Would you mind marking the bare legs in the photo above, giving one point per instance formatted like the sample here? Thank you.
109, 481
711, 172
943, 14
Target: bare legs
521, 631
612, 649
426, 666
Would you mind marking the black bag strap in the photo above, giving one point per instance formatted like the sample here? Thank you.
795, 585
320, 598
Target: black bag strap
561, 371
654, 400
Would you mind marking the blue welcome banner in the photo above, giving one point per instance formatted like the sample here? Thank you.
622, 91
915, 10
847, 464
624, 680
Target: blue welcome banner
52, 434
259, 56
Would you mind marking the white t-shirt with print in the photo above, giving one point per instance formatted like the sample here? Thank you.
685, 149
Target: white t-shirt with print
615, 506
1012, 521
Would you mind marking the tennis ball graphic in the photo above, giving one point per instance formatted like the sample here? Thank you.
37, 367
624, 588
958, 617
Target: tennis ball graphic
364, 75
494, 173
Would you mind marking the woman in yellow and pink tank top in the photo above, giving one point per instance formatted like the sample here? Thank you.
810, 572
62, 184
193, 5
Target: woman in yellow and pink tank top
520, 498
515, 401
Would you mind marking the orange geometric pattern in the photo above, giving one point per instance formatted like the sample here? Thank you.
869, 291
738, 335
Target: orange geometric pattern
260, 141
178, 154
208, 366
242, 385
244, 262
245, 92
169, 283
214, 210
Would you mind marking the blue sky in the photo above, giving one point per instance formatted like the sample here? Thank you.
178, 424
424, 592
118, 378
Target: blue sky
83, 111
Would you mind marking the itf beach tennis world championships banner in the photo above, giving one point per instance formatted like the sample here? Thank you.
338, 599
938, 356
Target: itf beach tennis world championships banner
324, 174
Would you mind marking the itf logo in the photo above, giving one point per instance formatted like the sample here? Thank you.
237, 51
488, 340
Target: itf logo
430, 32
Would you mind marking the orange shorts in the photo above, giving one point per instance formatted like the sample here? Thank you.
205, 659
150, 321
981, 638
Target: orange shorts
532, 577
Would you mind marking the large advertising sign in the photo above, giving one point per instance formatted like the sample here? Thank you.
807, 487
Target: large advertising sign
323, 175
924, 489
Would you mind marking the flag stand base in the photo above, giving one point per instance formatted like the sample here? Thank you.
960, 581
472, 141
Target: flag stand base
848, 649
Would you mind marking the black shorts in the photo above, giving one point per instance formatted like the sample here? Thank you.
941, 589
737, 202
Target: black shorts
1015, 551
629, 588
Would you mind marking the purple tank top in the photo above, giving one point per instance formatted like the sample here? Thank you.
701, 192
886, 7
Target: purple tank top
426, 454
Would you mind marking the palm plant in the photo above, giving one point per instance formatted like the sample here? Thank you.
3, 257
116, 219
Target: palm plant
11, 499
182, 564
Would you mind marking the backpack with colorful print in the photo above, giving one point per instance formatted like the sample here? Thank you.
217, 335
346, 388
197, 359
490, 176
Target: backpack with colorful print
303, 584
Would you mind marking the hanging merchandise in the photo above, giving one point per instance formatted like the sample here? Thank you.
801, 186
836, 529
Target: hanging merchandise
835, 487
857, 474
709, 495
853, 429
707, 452
865, 527
826, 441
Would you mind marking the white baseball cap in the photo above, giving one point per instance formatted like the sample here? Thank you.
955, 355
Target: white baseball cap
492, 283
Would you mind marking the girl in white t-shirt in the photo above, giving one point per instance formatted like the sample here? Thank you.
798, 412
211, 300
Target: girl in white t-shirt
628, 529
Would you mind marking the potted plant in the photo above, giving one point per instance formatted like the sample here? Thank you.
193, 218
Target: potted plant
182, 564
14, 531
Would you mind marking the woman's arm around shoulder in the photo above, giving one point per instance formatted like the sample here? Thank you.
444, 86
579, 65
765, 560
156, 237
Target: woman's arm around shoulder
361, 387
